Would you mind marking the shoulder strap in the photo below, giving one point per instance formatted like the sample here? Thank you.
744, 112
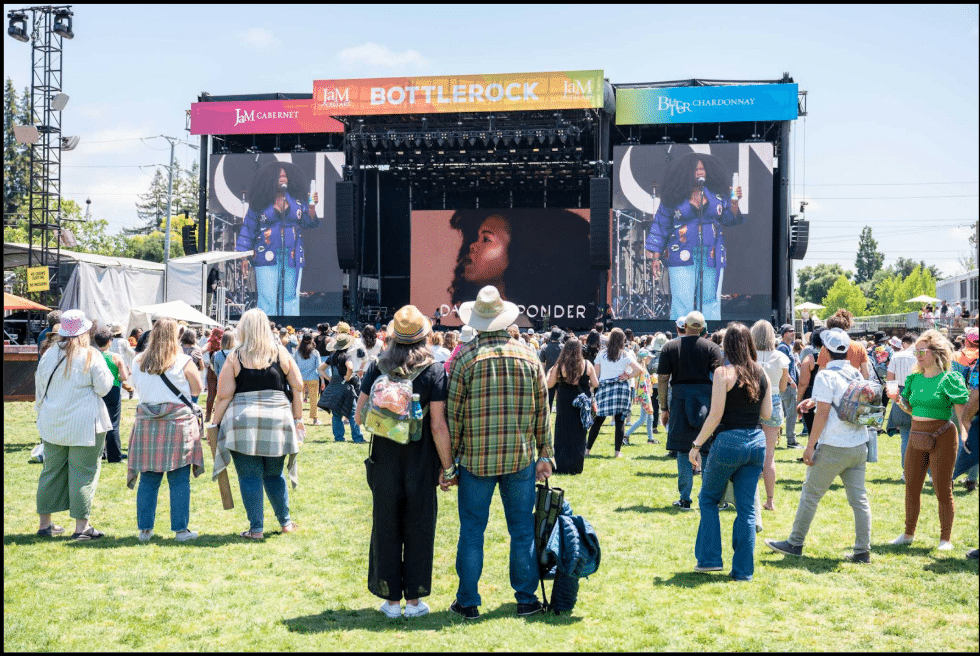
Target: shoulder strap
177, 392
51, 377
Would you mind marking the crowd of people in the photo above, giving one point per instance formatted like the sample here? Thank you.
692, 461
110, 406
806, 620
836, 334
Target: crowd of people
473, 407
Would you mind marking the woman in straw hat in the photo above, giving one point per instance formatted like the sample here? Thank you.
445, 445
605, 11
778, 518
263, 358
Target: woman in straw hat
71, 379
259, 425
403, 477
341, 392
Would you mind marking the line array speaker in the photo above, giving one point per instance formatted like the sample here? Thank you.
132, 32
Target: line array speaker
600, 197
347, 251
799, 238
188, 235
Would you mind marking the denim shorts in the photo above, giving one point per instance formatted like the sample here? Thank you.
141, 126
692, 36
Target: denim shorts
776, 420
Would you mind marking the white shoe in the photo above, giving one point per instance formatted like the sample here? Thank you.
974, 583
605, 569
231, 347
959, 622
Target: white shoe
392, 611
903, 539
144, 536
186, 535
698, 568
417, 611
945, 545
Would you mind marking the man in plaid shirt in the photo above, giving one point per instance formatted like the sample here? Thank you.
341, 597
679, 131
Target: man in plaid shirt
500, 431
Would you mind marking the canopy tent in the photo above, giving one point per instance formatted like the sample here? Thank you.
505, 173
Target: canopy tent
924, 298
11, 302
187, 276
107, 291
810, 306
143, 317
17, 254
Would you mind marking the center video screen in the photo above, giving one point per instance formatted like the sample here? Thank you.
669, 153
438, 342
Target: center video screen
537, 258
692, 230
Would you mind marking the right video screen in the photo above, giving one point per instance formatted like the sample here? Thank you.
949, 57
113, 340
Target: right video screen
692, 230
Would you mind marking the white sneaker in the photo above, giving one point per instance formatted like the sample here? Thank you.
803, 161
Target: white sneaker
185, 535
903, 539
698, 568
144, 536
417, 611
945, 545
394, 612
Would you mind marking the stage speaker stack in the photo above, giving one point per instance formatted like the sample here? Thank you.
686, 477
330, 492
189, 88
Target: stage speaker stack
188, 235
600, 197
347, 251
799, 238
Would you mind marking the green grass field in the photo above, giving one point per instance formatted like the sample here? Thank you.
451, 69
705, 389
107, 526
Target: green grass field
307, 591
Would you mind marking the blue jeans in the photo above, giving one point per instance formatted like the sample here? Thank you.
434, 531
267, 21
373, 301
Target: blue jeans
254, 473
179, 481
967, 462
517, 494
338, 428
683, 279
644, 417
788, 402
267, 285
685, 476
736, 455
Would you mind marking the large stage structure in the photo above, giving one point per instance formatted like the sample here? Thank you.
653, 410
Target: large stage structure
559, 176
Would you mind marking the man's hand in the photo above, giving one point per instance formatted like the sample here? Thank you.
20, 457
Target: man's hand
664, 417
444, 484
543, 470
808, 455
806, 405
694, 455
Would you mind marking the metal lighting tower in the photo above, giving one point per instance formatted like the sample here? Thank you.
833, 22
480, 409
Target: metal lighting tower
52, 24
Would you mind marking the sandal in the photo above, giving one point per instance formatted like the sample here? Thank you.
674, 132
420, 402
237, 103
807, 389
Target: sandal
50, 531
290, 527
91, 533
251, 536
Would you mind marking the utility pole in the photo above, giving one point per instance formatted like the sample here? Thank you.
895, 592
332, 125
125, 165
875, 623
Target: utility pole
166, 234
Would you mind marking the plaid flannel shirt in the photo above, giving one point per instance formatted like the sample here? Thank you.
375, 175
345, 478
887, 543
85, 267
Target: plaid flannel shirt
498, 406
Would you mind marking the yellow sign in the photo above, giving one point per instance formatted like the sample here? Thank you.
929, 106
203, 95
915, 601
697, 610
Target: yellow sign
37, 279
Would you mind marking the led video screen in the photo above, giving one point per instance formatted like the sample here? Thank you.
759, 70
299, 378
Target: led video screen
281, 207
692, 230
537, 258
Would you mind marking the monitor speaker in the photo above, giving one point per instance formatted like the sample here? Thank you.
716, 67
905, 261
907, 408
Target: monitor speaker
188, 234
600, 195
799, 238
347, 251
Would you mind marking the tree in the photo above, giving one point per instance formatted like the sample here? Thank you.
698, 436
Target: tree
969, 261
869, 260
816, 281
15, 157
844, 294
904, 266
151, 208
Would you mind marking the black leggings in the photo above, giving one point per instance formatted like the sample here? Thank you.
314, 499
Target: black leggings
594, 432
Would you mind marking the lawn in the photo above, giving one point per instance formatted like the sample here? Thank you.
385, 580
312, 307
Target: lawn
307, 591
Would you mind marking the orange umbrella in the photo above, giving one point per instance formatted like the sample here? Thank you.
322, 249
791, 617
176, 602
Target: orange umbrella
11, 302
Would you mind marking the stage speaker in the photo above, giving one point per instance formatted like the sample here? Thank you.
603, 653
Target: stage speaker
347, 251
799, 238
600, 195
188, 235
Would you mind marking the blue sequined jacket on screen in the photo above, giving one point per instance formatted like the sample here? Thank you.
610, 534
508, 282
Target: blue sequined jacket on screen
267, 231
676, 230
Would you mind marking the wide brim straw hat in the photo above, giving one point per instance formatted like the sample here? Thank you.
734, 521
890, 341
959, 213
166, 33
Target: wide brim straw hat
409, 325
467, 334
343, 342
342, 327
659, 342
488, 312
117, 329
74, 323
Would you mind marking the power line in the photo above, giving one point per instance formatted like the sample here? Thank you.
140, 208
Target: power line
886, 184
887, 197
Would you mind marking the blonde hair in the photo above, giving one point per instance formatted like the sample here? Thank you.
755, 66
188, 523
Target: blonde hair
763, 335
436, 338
162, 347
452, 339
71, 347
255, 346
940, 347
228, 340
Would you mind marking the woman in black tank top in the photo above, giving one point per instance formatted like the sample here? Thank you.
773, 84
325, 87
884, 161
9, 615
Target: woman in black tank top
808, 374
739, 397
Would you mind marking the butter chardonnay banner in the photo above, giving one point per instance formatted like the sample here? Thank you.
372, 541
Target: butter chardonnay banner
756, 102
461, 93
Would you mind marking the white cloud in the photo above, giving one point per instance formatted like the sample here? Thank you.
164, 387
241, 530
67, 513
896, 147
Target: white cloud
259, 39
372, 54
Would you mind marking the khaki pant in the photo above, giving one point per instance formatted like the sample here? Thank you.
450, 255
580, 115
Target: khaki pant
69, 478
312, 390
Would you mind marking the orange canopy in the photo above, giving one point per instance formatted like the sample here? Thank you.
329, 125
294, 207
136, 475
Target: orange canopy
11, 302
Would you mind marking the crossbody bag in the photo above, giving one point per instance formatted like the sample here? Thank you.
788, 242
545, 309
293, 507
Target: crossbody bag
186, 401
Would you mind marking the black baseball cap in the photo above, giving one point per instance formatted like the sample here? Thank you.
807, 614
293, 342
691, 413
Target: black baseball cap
786, 328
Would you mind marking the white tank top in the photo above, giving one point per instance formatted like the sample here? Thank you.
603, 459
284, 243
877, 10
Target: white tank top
151, 389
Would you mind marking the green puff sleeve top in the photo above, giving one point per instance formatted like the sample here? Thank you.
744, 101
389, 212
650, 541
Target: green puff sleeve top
935, 397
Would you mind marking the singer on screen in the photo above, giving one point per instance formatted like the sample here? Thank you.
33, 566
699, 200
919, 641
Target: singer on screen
280, 205
696, 201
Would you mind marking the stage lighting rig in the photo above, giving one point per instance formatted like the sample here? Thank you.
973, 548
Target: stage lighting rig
17, 26
62, 23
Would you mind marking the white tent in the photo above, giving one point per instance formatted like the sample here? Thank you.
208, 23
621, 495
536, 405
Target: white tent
923, 298
187, 276
105, 288
142, 317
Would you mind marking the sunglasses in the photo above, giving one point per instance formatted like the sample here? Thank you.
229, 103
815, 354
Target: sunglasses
922, 352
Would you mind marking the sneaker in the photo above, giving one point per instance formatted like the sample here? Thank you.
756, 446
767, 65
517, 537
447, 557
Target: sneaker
863, 557
466, 612
392, 611
758, 528
972, 555
902, 478
417, 611
795, 445
144, 536
698, 568
903, 539
680, 504
186, 535
945, 545
724, 505
524, 610
783, 547
971, 486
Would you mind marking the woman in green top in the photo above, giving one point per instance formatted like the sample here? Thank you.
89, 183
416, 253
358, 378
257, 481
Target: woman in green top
113, 401
932, 395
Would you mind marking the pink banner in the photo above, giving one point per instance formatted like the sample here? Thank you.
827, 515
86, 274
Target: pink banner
260, 117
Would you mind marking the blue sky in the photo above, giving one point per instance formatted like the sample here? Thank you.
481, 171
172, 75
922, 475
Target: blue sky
893, 90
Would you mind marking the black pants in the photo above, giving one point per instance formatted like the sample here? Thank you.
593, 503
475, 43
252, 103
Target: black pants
113, 449
403, 533
594, 432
